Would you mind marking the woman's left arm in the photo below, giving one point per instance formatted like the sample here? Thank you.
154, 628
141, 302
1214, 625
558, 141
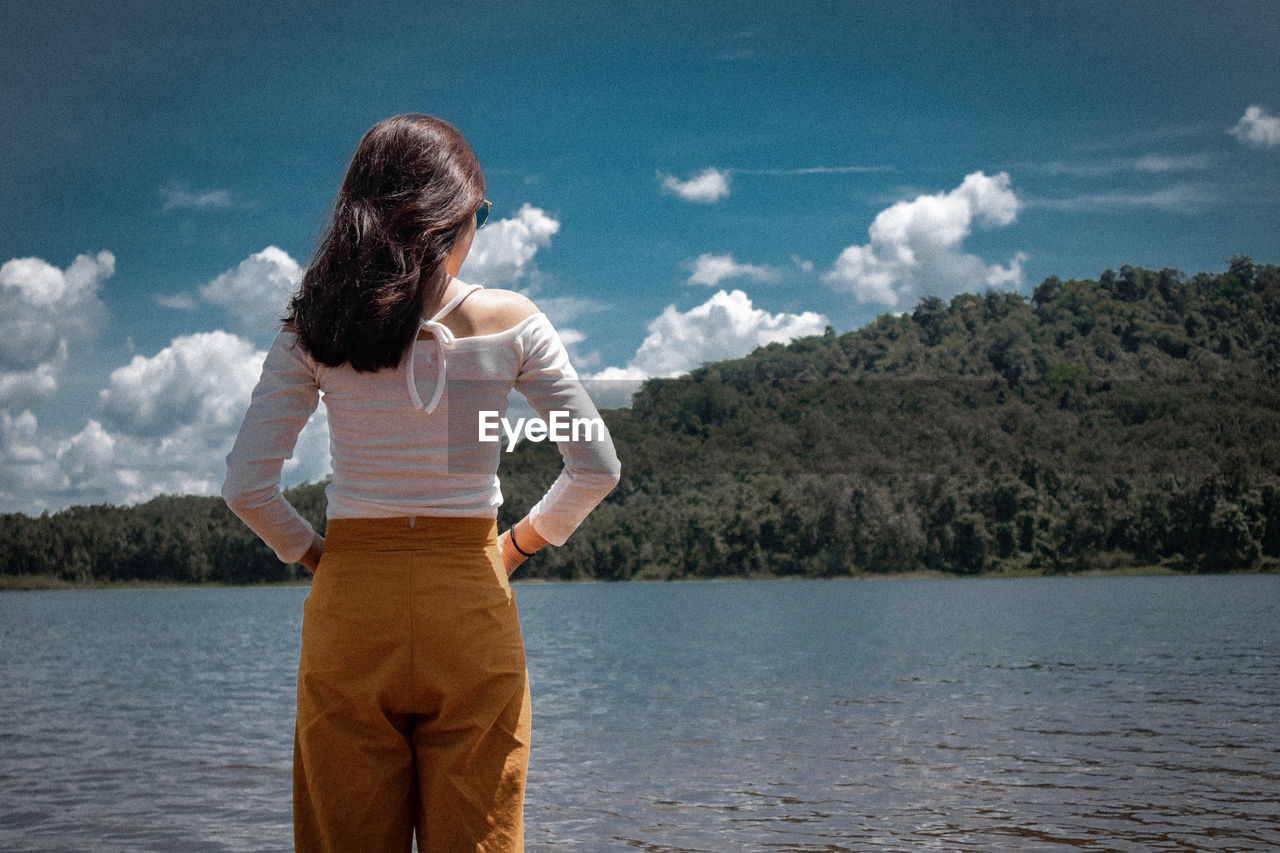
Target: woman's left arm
311, 559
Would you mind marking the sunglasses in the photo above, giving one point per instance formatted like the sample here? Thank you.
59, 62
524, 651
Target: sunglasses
482, 213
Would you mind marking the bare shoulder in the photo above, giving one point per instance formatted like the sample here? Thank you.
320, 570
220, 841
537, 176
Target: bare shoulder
490, 310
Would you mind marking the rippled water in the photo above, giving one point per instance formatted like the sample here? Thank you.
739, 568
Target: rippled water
959, 715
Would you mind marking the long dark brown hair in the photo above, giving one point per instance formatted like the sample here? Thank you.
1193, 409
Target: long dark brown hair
412, 185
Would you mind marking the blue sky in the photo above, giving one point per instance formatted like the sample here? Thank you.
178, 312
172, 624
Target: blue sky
672, 183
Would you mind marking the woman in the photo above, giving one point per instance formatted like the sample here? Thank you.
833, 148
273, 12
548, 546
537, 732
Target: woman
413, 702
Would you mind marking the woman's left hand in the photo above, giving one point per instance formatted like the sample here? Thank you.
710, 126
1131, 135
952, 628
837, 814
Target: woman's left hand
311, 559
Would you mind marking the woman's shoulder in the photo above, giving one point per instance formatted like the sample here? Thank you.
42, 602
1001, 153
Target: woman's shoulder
488, 311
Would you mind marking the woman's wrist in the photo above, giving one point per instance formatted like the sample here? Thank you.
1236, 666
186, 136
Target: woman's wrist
311, 559
525, 538
511, 535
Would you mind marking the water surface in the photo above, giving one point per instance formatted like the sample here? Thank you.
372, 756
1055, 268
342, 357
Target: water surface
965, 715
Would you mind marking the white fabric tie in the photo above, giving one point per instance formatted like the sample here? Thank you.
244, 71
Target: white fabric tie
444, 340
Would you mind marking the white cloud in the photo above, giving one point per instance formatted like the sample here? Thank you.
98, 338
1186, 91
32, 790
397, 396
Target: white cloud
569, 337
37, 382
502, 252
256, 293
563, 311
26, 470
706, 187
1174, 199
815, 170
176, 301
41, 309
1173, 163
566, 309
176, 415
725, 326
18, 438
915, 247
1257, 127
85, 456
310, 462
713, 269
179, 198
204, 379
43, 285
1149, 163
167, 424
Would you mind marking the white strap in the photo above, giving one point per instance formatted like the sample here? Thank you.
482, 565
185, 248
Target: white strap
444, 339
455, 302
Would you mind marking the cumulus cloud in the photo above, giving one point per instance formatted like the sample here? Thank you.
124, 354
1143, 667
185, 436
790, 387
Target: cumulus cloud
725, 326
706, 187
176, 414
87, 455
41, 309
1257, 127
25, 468
37, 382
123, 468
713, 269
502, 252
204, 378
256, 293
915, 246
167, 422
37, 470
18, 443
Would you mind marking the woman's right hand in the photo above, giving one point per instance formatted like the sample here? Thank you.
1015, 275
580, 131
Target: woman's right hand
511, 558
530, 541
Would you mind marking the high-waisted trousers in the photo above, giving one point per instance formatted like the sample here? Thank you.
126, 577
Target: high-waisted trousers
413, 696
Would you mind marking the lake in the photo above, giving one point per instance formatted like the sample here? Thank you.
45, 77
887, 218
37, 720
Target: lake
1090, 713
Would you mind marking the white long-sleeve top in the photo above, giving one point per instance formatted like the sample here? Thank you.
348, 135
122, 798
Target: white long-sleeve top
395, 456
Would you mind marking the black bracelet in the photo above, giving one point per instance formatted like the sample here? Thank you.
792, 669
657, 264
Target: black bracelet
511, 534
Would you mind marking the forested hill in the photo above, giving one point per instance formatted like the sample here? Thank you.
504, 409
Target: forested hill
1127, 421
1131, 420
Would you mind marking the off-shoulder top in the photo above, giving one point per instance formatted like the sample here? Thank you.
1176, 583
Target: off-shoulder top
394, 455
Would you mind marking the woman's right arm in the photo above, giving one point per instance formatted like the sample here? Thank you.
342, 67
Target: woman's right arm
285, 397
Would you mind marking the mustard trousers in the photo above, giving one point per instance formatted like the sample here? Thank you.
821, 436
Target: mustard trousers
413, 696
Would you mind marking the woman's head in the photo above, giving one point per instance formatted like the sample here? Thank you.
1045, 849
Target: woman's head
413, 185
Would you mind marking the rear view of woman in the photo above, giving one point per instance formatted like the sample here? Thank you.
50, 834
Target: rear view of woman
413, 699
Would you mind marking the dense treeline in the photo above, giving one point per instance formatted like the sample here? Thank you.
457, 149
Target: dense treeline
1131, 420
167, 539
